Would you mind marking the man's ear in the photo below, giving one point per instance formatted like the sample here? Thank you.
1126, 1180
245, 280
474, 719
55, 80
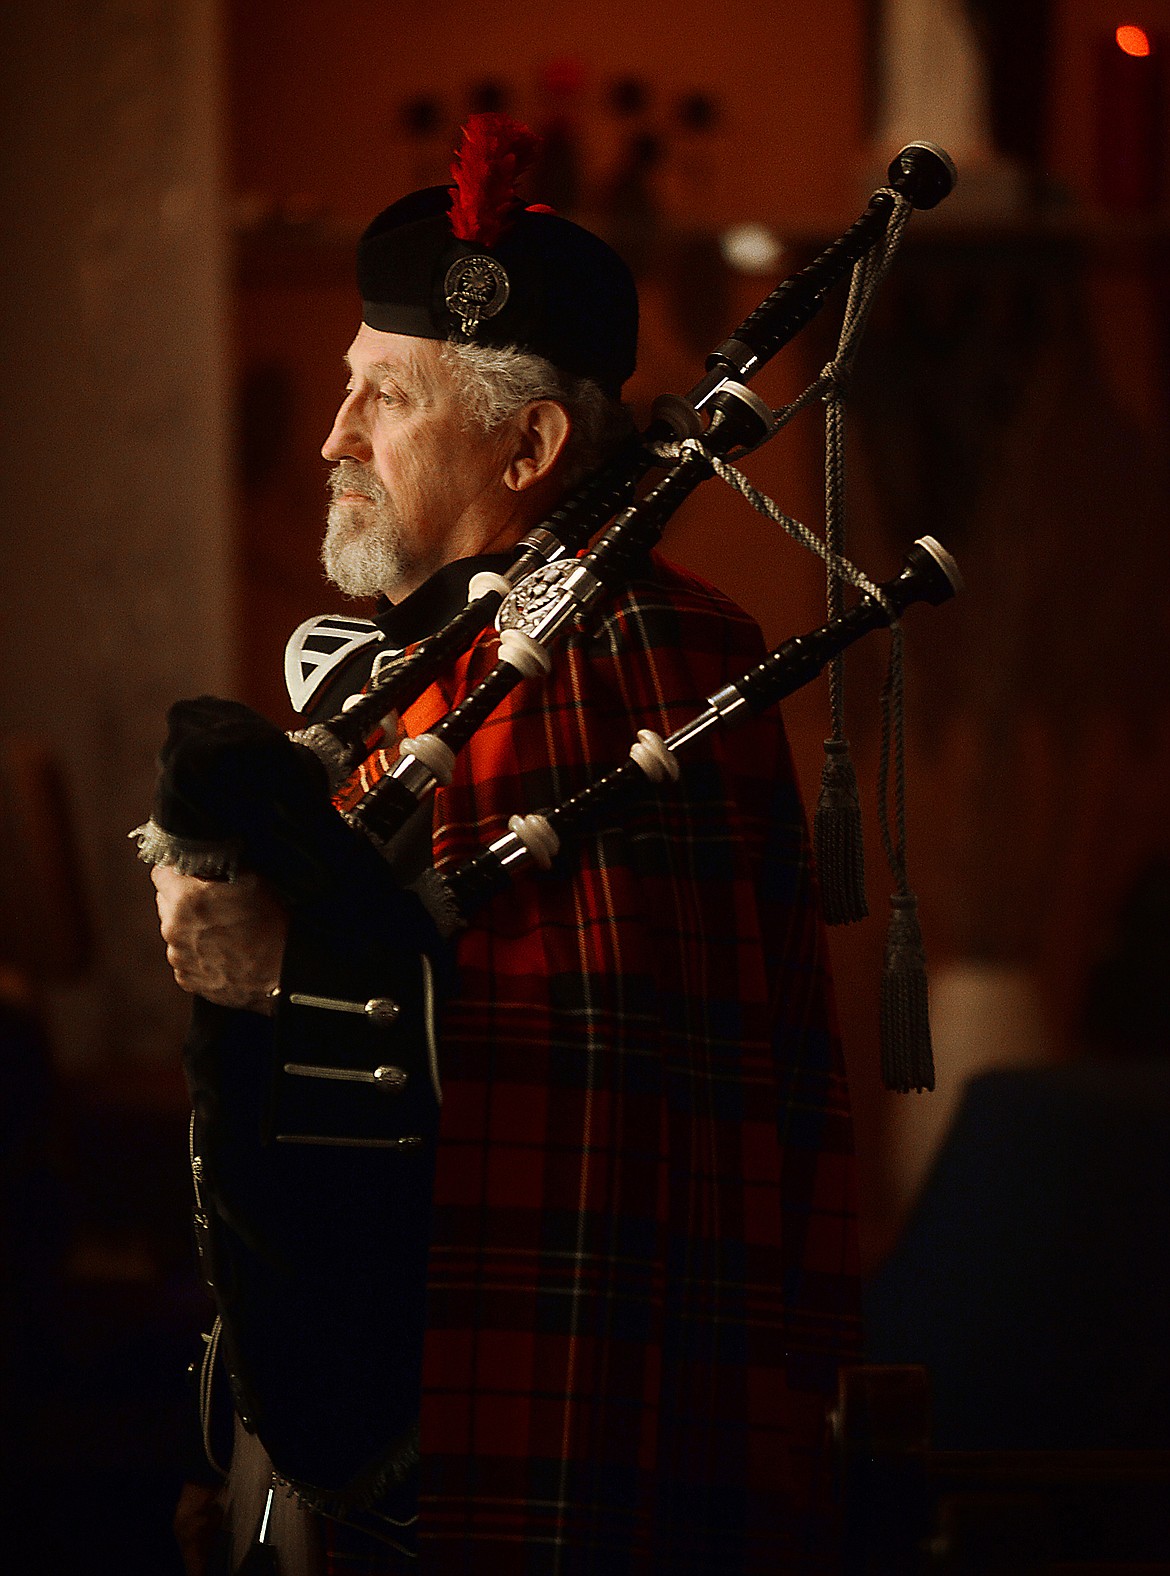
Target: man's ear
541, 432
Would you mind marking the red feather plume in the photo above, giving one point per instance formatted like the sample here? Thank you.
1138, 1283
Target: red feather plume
495, 152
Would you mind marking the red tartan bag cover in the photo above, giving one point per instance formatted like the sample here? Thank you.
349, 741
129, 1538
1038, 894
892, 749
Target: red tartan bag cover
642, 1271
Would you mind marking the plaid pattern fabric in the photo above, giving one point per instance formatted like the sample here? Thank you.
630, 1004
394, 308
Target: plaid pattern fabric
643, 1271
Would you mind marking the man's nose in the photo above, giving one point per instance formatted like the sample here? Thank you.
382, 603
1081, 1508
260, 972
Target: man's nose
348, 439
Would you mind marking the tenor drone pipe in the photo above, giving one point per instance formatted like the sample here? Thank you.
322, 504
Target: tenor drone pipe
921, 173
929, 574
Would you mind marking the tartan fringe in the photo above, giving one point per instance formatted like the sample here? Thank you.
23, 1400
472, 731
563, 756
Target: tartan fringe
210, 861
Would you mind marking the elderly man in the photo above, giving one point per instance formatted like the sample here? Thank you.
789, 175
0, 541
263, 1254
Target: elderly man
637, 1265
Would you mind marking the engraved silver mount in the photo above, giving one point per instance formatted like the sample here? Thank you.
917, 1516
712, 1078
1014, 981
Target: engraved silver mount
475, 288
544, 599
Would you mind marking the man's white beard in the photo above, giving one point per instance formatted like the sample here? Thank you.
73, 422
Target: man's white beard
362, 552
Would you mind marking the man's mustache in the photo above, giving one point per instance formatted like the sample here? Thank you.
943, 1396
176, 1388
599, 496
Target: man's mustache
351, 476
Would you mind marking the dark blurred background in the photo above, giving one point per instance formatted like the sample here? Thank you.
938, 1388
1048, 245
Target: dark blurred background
183, 183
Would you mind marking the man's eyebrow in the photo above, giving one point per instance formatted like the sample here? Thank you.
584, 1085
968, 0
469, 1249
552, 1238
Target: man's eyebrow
382, 371
378, 372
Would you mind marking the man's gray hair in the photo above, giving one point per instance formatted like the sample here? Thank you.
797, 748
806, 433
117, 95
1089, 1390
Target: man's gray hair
496, 383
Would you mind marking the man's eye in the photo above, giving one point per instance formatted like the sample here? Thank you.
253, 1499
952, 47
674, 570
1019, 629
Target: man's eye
388, 396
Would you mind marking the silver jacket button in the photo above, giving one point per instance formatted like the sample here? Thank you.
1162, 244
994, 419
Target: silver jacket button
389, 1078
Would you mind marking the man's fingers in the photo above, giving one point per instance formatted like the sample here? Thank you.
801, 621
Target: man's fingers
186, 902
182, 961
224, 940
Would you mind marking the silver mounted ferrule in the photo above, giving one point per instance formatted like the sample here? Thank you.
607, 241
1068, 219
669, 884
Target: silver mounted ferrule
695, 729
422, 763
724, 706
544, 542
415, 776
510, 851
583, 586
728, 702
700, 397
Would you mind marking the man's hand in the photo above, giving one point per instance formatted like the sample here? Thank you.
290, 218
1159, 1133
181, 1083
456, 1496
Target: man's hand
225, 939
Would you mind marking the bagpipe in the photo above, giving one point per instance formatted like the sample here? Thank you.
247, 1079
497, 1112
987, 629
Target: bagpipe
236, 793
920, 177
351, 1110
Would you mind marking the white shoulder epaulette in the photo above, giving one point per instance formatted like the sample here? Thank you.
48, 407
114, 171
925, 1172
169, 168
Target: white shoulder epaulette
318, 648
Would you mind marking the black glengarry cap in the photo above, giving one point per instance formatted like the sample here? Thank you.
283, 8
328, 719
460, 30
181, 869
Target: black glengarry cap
471, 264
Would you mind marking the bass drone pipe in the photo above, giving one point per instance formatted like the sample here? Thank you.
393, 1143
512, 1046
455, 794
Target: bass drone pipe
929, 574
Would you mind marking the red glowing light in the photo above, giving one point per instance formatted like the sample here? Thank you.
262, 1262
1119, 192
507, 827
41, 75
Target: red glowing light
1133, 40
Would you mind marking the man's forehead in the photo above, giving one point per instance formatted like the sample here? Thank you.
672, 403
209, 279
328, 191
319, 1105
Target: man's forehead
397, 355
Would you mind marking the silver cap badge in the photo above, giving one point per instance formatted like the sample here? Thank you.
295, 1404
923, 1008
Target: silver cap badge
476, 287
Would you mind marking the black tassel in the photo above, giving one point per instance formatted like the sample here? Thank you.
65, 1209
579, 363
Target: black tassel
907, 1056
837, 834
